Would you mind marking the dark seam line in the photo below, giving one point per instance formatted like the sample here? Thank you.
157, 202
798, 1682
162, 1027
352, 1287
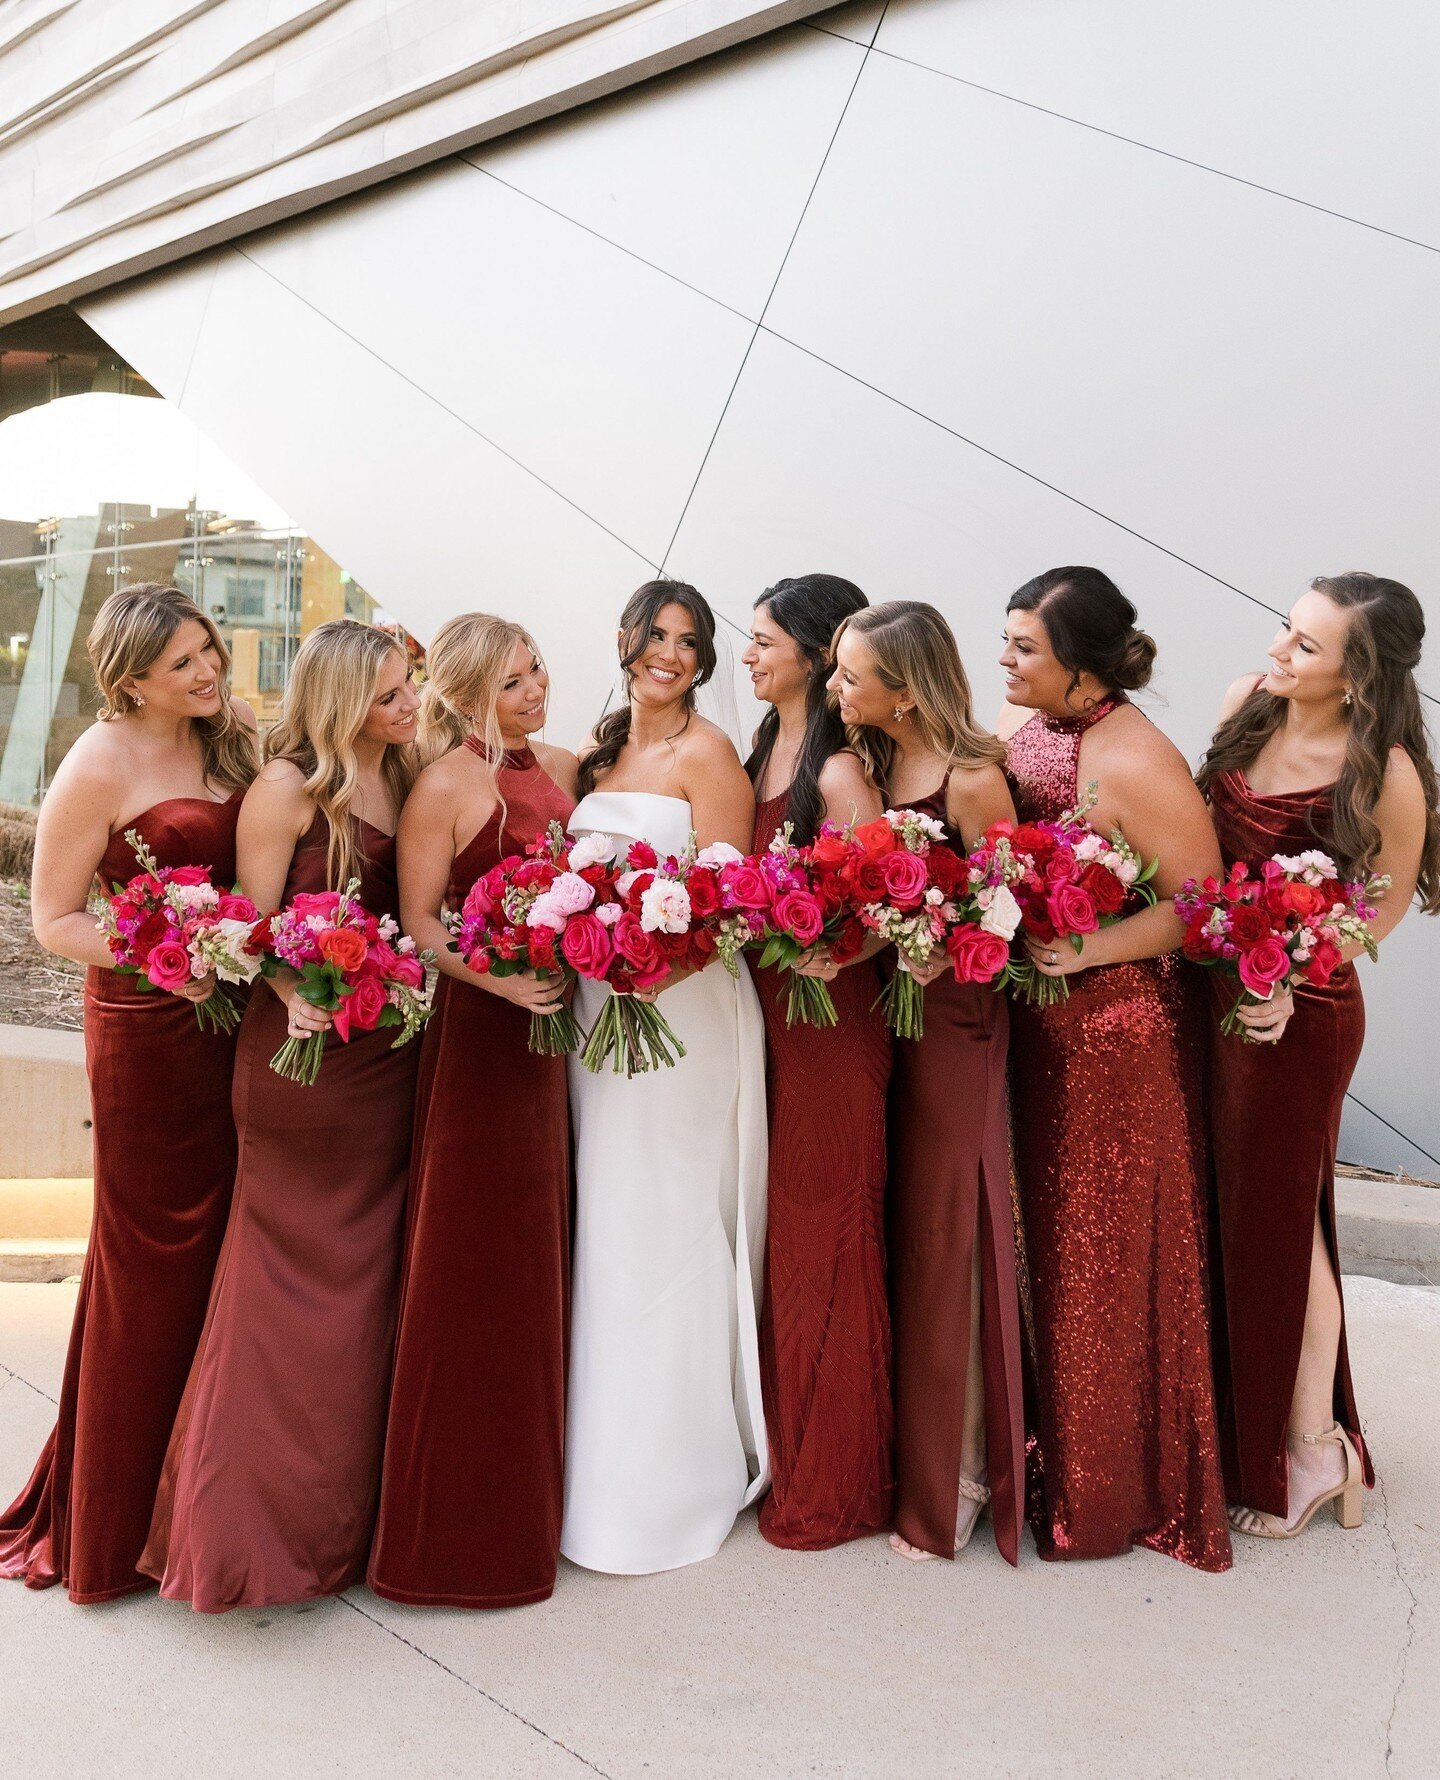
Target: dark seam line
1389, 1127
1150, 148
430, 396
774, 286
464, 1681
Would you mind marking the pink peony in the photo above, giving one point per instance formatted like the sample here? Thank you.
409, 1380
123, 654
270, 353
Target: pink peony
168, 965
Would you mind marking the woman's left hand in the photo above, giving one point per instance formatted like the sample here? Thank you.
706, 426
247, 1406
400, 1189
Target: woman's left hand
817, 962
1059, 957
198, 988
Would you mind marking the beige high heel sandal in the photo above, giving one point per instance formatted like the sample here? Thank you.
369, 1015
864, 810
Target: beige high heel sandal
1346, 1495
971, 1490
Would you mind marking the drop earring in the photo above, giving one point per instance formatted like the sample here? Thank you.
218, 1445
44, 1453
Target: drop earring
1349, 698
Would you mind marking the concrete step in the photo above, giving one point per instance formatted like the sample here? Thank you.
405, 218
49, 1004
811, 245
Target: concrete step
47, 1261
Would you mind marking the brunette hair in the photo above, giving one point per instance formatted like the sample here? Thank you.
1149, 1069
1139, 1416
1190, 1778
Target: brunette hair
808, 608
642, 608
132, 630
327, 698
1091, 627
1382, 651
915, 652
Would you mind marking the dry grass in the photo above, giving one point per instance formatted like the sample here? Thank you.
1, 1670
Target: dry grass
17, 841
36, 988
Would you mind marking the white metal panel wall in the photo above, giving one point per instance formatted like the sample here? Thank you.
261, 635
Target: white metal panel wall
1006, 286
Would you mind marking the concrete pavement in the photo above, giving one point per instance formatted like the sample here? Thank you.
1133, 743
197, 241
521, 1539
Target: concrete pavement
1316, 1658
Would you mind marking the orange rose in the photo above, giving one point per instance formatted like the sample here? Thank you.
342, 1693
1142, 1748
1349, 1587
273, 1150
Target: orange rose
343, 947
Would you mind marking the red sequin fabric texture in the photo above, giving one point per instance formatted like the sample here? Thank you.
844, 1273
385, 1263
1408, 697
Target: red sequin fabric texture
1110, 1158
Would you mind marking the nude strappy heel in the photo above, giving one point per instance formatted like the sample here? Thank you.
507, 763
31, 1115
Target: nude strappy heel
1346, 1495
972, 1490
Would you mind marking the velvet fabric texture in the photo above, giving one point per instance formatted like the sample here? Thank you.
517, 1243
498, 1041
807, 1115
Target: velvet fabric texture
825, 1324
1107, 1088
273, 1471
474, 1459
164, 1167
949, 1190
1275, 1112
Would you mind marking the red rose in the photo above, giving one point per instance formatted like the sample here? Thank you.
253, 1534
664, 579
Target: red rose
1035, 919
586, 945
642, 856
1105, 887
747, 887
848, 942
868, 878
700, 946
703, 886
1030, 838
1327, 960
906, 879
876, 838
948, 871
360, 1010
641, 952
1073, 909
830, 851
343, 947
1062, 867
637, 890
978, 957
799, 914
1248, 924
151, 932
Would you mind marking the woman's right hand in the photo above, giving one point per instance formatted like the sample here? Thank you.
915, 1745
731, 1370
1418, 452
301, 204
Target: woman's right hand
304, 1018
527, 989
1265, 1021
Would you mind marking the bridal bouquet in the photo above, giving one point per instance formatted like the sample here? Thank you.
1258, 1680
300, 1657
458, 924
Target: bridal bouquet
1279, 929
1074, 881
787, 902
516, 918
170, 925
351, 964
918, 894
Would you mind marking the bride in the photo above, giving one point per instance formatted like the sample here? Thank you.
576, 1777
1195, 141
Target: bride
665, 1439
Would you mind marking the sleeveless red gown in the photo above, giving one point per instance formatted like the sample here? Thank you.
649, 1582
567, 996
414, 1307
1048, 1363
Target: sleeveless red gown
270, 1483
1275, 1113
164, 1166
474, 1459
1110, 1157
824, 1324
949, 1190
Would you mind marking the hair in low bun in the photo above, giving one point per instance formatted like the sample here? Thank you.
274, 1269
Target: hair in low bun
1091, 627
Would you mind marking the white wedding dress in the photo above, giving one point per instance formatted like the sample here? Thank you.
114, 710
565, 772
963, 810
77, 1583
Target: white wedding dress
665, 1435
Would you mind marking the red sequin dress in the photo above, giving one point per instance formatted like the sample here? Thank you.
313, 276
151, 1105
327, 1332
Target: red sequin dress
164, 1167
1110, 1158
824, 1327
1271, 1168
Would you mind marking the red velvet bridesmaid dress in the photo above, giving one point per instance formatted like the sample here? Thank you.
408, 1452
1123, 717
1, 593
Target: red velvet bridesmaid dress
1110, 1155
1275, 1111
273, 1470
164, 1166
949, 1190
824, 1325
474, 1458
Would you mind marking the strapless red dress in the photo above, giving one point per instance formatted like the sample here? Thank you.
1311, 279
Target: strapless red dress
164, 1166
270, 1482
824, 1324
474, 1458
1110, 1156
1275, 1112
949, 1190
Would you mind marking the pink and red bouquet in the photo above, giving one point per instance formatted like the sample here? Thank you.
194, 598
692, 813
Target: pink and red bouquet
912, 889
516, 918
1277, 930
787, 903
171, 926
353, 965
1073, 882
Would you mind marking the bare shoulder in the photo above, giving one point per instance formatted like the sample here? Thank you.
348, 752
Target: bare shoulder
706, 740
560, 764
242, 709
1011, 719
976, 796
1235, 695
95, 767
1133, 747
280, 776
844, 774
1402, 795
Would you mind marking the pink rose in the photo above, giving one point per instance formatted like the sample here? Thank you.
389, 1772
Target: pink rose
408, 969
641, 951
1072, 909
797, 912
978, 957
1263, 966
585, 945
189, 874
237, 908
321, 902
746, 887
168, 965
906, 877
1062, 867
360, 1011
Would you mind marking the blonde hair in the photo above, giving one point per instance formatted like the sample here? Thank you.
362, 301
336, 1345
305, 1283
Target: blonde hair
132, 630
915, 653
465, 668
327, 699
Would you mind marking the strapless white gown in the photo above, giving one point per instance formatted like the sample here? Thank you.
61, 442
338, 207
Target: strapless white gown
665, 1435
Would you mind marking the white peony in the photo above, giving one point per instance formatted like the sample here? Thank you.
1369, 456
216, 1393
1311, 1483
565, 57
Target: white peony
718, 853
593, 849
1003, 914
665, 907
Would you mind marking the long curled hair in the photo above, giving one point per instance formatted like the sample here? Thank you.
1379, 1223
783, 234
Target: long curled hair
1091, 626
809, 609
916, 653
465, 668
1382, 651
131, 632
327, 698
641, 610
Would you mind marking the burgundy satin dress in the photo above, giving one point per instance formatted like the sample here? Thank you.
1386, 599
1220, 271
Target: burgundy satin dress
164, 1165
1275, 1113
949, 1190
824, 1323
273, 1471
1110, 1157
474, 1458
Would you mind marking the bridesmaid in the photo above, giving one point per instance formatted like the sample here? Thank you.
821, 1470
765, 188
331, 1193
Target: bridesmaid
473, 1482
271, 1478
1327, 749
824, 1325
1110, 1149
954, 1300
170, 756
